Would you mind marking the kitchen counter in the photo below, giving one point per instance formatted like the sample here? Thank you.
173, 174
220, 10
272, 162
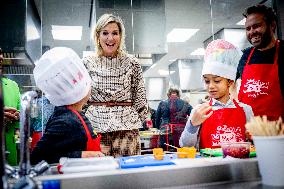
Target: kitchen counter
196, 173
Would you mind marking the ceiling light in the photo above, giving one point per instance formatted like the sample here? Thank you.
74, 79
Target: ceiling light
242, 22
180, 34
199, 51
66, 32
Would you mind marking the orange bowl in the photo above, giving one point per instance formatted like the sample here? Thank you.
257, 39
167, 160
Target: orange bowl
186, 152
158, 153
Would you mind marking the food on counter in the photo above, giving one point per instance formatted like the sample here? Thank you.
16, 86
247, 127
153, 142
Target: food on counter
186, 152
158, 153
252, 148
236, 149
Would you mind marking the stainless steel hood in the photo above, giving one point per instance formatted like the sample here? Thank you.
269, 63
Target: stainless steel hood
186, 74
20, 32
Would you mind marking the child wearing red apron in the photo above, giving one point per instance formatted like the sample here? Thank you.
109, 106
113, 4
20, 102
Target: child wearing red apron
62, 77
222, 119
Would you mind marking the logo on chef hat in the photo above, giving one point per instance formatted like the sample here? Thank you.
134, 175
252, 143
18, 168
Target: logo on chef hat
62, 76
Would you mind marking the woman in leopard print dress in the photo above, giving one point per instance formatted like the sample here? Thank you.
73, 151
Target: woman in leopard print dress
118, 103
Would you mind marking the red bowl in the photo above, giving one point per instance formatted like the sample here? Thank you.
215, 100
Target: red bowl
236, 149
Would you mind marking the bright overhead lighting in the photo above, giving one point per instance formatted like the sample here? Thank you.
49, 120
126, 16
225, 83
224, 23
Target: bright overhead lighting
180, 34
66, 32
199, 51
242, 22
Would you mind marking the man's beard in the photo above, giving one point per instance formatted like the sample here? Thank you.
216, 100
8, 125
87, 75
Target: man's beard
265, 39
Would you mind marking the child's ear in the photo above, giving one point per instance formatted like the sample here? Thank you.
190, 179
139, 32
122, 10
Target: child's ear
230, 82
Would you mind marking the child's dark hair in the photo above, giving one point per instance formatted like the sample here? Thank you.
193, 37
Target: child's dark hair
267, 12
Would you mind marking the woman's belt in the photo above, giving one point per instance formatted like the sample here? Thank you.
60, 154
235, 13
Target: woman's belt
110, 103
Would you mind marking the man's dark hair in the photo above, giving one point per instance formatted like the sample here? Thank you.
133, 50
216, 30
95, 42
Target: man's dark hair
173, 90
267, 12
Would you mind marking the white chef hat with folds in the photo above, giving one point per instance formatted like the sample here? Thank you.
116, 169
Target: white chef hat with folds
62, 76
221, 59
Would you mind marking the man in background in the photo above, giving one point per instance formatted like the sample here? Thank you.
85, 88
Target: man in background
11, 97
171, 117
261, 67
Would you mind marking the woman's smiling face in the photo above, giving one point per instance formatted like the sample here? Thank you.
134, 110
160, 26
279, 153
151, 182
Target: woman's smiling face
109, 39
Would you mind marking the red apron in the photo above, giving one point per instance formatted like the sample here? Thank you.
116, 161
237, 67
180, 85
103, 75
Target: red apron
260, 88
92, 144
224, 125
174, 129
36, 136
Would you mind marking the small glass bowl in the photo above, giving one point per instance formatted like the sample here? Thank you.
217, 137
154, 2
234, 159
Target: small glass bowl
236, 149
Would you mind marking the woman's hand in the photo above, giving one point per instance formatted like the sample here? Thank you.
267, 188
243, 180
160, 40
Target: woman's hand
88, 154
200, 115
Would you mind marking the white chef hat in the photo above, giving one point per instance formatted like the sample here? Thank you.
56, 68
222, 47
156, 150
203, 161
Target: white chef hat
62, 76
221, 59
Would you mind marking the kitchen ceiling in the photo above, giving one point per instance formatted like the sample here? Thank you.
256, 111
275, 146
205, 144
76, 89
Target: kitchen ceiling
152, 21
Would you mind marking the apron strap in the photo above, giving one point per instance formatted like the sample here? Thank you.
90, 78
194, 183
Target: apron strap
236, 104
167, 137
82, 121
250, 55
275, 55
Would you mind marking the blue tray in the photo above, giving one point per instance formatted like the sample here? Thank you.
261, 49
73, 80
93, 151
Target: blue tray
145, 160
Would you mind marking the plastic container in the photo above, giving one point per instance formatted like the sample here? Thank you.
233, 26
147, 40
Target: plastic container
158, 153
186, 152
270, 153
73, 165
236, 149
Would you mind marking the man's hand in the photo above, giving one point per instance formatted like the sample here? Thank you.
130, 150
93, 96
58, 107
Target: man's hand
11, 114
200, 115
88, 154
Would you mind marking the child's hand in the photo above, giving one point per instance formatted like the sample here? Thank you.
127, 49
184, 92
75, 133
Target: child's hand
200, 115
88, 154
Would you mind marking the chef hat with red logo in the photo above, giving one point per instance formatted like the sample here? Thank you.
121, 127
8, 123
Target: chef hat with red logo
221, 58
62, 76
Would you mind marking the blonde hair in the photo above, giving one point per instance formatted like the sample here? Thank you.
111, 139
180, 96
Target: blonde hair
104, 20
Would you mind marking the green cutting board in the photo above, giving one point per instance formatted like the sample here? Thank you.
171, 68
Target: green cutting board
216, 152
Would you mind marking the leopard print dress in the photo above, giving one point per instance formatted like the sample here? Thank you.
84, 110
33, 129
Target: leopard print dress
116, 79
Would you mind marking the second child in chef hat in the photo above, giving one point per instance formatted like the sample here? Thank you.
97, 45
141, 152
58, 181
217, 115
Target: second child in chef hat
222, 119
63, 78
